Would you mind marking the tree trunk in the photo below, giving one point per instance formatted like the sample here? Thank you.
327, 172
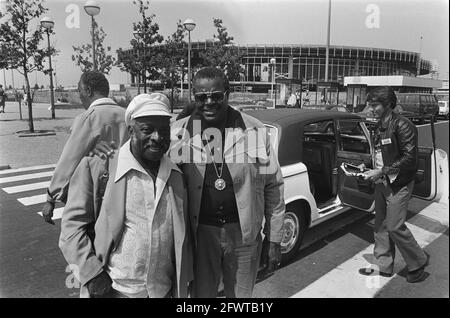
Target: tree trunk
27, 82
30, 109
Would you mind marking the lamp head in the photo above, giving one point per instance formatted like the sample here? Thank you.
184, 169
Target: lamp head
47, 23
189, 24
92, 8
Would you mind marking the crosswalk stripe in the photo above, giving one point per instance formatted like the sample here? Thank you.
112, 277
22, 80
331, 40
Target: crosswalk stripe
57, 213
27, 187
7, 171
345, 282
26, 177
35, 199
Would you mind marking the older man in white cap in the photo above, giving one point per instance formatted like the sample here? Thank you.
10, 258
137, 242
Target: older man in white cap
125, 225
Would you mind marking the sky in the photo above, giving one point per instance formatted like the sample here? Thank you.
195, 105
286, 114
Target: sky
390, 24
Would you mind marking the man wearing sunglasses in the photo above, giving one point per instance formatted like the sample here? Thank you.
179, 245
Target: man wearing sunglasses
229, 196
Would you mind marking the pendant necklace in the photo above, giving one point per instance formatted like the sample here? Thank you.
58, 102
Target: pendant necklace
220, 183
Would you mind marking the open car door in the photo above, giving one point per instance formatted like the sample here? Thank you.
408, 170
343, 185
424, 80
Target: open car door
431, 182
354, 147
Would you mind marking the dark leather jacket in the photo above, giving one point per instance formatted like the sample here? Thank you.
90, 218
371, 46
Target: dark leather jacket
398, 141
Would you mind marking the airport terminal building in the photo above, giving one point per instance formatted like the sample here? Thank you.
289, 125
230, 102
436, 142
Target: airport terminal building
307, 63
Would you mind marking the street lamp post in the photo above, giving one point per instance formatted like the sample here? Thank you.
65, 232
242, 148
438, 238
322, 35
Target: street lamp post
137, 36
182, 77
272, 64
92, 8
48, 24
419, 60
189, 25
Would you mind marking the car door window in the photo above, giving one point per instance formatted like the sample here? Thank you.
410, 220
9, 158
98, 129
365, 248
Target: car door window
352, 137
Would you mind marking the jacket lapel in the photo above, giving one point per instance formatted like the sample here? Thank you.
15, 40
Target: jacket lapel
114, 201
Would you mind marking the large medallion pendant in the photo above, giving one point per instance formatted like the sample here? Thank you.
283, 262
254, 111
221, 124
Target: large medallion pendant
220, 184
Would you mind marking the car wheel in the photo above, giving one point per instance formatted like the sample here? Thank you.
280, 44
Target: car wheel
295, 224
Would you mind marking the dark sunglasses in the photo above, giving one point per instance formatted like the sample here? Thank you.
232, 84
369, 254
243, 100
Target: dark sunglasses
216, 96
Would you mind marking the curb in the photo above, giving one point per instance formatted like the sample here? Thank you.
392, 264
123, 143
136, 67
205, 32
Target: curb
38, 134
25, 133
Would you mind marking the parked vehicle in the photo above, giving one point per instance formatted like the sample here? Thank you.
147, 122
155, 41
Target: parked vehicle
244, 108
335, 108
365, 113
443, 109
419, 104
310, 156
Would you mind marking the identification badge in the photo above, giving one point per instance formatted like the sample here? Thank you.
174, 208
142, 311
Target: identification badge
386, 141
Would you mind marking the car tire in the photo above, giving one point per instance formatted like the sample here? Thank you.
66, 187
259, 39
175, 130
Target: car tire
295, 224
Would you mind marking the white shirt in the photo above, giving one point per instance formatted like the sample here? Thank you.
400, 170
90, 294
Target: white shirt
143, 265
379, 164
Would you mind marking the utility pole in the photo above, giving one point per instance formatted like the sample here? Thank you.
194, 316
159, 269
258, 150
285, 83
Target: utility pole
327, 54
419, 59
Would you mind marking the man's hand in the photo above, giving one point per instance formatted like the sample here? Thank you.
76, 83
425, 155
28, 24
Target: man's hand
373, 175
47, 212
270, 256
100, 285
103, 149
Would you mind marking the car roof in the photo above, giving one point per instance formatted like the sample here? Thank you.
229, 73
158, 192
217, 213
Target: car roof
285, 117
414, 94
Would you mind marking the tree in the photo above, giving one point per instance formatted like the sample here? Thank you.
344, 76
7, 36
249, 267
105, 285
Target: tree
223, 54
143, 59
172, 53
129, 61
20, 38
149, 36
83, 54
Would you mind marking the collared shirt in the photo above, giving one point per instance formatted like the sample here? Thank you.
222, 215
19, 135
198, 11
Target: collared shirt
103, 120
143, 265
218, 206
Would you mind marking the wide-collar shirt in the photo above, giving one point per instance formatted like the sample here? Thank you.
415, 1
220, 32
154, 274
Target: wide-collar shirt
143, 265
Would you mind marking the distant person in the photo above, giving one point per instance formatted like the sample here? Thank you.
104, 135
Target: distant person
292, 100
25, 99
103, 120
2, 99
306, 99
298, 102
396, 161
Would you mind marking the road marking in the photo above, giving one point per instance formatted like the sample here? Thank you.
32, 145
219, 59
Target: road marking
7, 171
27, 187
26, 177
36, 199
344, 280
57, 213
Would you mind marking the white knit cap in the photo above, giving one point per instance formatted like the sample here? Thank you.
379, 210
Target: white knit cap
154, 104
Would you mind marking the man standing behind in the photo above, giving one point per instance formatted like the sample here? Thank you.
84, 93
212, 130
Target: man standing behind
102, 120
229, 198
2, 99
137, 243
396, 160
